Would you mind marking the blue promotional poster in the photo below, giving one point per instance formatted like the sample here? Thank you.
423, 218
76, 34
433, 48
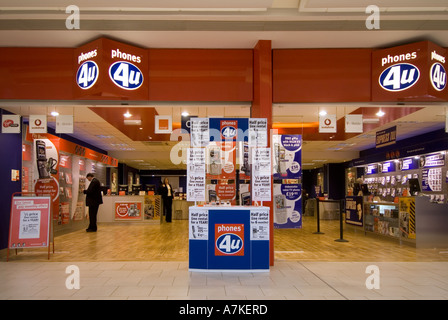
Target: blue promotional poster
288, 206
353, 210
287, 168
287, 156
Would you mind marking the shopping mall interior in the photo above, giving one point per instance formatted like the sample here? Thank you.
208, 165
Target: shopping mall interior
370, 186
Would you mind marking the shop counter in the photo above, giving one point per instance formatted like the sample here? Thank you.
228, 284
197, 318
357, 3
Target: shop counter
233, 238
134, 208
413, 220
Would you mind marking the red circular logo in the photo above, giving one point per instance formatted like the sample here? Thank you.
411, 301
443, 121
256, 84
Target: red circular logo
37, 122
327, 122
7, 123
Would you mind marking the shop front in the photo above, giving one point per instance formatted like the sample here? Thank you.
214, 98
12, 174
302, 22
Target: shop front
231, 154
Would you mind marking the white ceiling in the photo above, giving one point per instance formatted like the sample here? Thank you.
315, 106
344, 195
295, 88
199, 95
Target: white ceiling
225, 24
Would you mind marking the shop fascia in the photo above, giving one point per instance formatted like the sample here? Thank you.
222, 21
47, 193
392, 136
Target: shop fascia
402, 73
109, 68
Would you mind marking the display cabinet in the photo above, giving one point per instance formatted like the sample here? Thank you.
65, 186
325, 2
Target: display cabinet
391, 220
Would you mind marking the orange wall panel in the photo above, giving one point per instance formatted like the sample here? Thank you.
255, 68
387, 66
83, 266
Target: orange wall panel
36, 73
200, 75
321, 75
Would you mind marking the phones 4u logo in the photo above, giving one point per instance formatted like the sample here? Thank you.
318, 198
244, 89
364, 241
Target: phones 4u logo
229, 239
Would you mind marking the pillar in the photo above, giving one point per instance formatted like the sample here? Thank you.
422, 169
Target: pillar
262, 108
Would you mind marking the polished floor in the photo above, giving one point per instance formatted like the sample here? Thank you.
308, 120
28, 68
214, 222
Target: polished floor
136, 261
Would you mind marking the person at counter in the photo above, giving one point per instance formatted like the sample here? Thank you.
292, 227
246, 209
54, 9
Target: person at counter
166, 191
93, 200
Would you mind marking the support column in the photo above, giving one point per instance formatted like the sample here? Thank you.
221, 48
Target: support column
262, 108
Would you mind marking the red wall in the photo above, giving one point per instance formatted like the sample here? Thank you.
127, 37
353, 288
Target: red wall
200, 75
36, 73
321, 75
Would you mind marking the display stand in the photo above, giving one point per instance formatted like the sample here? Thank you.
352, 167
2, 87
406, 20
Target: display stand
222, 235
30, 222
229, 238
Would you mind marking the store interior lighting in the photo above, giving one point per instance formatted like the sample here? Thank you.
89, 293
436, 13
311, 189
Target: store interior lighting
380, 113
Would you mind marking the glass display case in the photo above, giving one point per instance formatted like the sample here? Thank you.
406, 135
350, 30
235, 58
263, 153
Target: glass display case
382, 218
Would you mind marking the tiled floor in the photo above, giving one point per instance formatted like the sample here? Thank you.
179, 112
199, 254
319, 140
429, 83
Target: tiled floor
138, 261
172, 280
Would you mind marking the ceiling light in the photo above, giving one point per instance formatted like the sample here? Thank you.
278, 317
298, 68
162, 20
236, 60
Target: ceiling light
185, 114
54, 113
323, 113
127, 114
380, 113
136, 122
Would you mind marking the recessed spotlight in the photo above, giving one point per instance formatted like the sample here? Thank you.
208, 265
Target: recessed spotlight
380, 113
185, 114
127, 114
323, 113
54, 113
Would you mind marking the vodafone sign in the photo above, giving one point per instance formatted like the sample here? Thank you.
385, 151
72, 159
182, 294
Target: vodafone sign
327, 123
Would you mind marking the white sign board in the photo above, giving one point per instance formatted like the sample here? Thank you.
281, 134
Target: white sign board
64, 124
199, 132
38, 124
258, 132
196, 174
261, 174
198, 223
327, 123
353, 123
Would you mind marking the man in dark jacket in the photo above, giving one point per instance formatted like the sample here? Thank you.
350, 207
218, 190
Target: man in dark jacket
93, 200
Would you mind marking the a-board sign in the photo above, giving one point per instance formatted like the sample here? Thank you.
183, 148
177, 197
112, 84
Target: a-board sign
30, 222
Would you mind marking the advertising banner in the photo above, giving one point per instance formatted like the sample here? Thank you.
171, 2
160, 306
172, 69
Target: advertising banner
287, 156
30, 222
196, 174
432, 160
386, 137
287, 206
221, 160
258, 132
407, 164
128, 210
198, 223
229, 129
432, 179
199, 132
261, 174
354, 210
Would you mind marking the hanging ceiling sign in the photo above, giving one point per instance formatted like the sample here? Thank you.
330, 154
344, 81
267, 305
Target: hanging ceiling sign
386, 137
327, 123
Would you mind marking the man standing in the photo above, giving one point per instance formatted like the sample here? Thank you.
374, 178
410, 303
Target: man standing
93, 200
